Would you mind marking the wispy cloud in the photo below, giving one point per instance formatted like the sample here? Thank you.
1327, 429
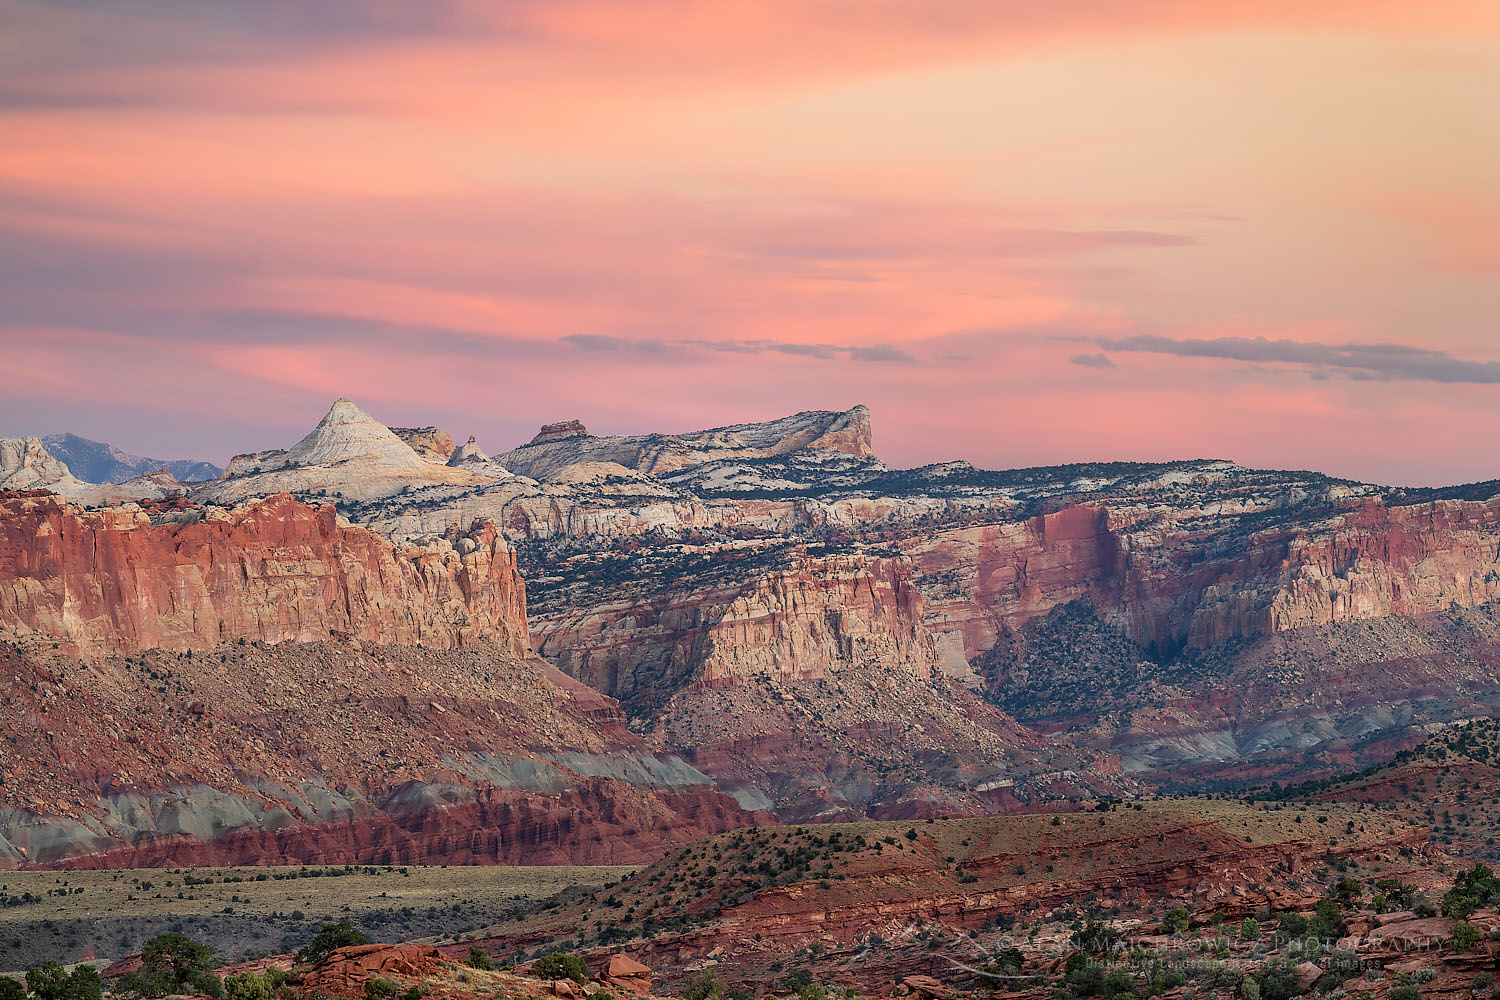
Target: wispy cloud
1368, 361
1097, 360
881, 352
876, 353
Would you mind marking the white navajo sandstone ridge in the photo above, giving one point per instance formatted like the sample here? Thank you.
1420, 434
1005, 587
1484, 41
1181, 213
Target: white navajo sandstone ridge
349, 454
26, 464
560, 445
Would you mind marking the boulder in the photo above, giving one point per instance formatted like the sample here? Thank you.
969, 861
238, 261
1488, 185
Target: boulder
626, 974
1307, 973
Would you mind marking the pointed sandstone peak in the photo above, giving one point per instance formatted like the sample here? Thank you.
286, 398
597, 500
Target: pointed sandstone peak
348, 433
849, 433
468, 452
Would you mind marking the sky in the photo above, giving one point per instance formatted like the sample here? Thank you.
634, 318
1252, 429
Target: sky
1022, 233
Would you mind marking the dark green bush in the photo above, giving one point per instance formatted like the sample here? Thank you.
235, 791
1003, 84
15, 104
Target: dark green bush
560, 965
330, 937
379, 989
172, 963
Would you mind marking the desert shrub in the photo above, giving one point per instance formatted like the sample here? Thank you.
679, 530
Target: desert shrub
794, 980
1406, 991
249, 986
1293, 925
479, 960
1176, 921
1398, 894
330, 937
11, 989
560, 965
1276, 981
1007, 963
379, 989
1327, 919
1249, 929
1347, 891
1472, 889
1465, 936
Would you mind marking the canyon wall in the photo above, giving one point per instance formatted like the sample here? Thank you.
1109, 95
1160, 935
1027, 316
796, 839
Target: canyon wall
792, 620
273, 570
1175, 577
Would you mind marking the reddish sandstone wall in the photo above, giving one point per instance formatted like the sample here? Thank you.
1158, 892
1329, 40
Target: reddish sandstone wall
273, 570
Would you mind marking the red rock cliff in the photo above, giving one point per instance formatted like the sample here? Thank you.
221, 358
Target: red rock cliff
791, 621
271, 570
1169, 581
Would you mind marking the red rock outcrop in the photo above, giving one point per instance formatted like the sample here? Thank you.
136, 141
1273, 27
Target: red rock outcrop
269, 571
344, 971
621, 972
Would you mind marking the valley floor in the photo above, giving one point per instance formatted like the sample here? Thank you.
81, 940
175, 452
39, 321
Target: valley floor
239, 912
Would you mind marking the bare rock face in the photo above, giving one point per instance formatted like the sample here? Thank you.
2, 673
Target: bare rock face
25, 464
336, 752
624, 973
804, 681
346, 433
1165, 589
431, 443
560, 431
349, 455
269, 571
560, 445
794, 620
468, 452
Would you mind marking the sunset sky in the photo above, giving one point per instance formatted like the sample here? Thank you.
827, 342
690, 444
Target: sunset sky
1022, 232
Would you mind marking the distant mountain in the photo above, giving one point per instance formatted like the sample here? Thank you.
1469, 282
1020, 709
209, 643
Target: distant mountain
97, 462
